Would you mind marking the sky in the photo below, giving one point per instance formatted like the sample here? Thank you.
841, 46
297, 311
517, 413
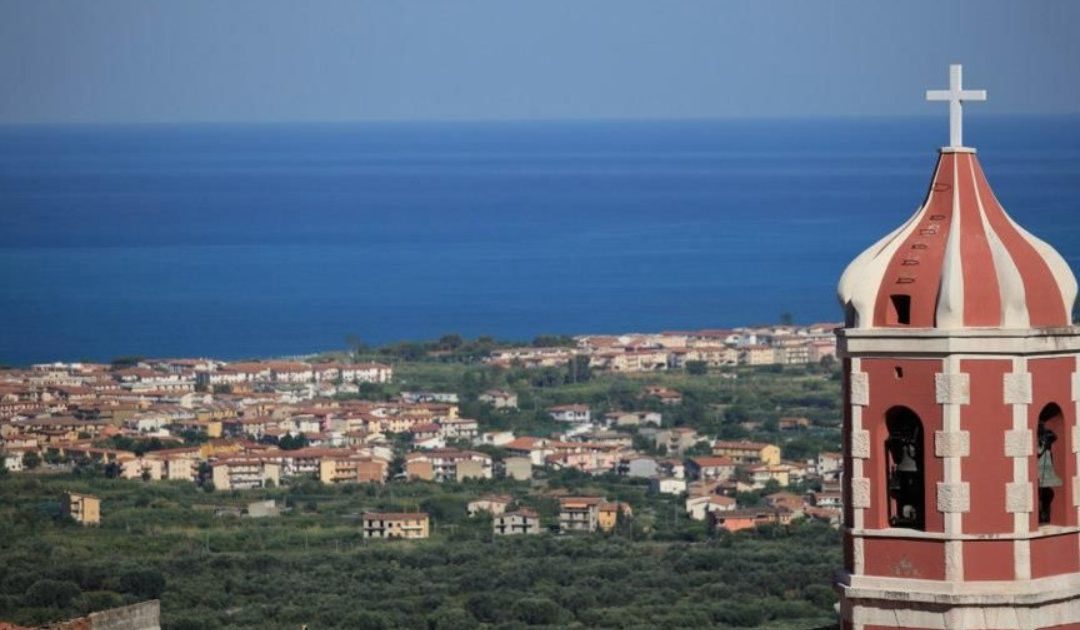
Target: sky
146, 61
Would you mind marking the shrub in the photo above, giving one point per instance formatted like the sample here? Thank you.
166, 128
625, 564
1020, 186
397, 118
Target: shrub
51, 593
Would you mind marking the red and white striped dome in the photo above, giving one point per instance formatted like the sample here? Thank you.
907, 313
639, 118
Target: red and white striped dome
959, 262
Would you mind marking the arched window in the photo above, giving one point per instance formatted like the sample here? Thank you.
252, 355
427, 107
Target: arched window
1050, 463
905, 473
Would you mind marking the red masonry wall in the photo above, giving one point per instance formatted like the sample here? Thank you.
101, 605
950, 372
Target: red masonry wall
905, 558
987, 470
1054, 555
989, 560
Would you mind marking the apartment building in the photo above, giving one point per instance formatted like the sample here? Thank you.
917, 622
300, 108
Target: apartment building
410, 525
520, 522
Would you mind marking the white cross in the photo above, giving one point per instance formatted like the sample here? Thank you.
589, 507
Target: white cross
956, 95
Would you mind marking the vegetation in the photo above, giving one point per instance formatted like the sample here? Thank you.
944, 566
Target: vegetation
312, 566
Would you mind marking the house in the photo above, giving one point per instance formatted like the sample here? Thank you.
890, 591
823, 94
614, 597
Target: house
607, 516
353, 469
536, 449
735, 520
757, 354
632, 418
12, 460
579, 514
263, 509
499, 399
429, 397
829, 465
85, 509
639, 466
746, 452
366, 373
448, 464
672, 468
667, 485
494, 438
410, 525
493, 504
710, 468
782, 474
786, 500
519, 468
244, 472
665, 395
699, 507
793, 423
460, 429
522, 521
827, 499
579, 414
676, 440
143, 468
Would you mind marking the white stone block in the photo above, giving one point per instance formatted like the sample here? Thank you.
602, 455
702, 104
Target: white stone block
952, 389
1076, 386
952, 443
1076, 439
1018, 497
860, 388
1076, 491
1018, 388
860, 444
953, 497
1018, 443
860, 493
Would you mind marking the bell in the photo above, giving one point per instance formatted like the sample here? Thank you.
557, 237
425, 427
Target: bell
907, 463
1048, 477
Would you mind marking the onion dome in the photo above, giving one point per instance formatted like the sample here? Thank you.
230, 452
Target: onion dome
959, 262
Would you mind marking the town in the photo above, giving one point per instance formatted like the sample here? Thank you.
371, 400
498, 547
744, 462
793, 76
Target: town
244, 425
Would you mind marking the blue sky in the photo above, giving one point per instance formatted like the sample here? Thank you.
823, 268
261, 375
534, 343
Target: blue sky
322, 60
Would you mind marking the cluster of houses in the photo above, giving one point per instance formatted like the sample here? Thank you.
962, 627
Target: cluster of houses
255, 425
647, 352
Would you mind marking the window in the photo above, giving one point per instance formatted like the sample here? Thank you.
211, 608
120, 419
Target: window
1050, 464
901, 309
904, 471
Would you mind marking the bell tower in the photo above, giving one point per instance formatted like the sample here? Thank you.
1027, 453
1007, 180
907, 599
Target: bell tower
961, 390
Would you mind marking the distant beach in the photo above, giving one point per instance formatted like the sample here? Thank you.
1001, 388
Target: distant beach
240, 241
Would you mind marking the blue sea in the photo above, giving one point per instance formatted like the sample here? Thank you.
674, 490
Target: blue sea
246, 241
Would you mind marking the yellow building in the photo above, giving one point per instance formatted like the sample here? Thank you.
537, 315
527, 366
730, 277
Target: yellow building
353, 470
744, 452
84, 508
412, 525
608, 516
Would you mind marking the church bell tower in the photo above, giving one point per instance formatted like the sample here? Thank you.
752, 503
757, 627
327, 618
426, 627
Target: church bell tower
961, 395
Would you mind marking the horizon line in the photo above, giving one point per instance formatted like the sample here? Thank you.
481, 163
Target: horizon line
538, 120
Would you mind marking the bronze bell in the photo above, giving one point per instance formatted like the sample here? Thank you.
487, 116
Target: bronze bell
907, 463
1048, 477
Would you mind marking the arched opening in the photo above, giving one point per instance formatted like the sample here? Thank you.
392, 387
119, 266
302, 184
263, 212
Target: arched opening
1050, 466
905, 473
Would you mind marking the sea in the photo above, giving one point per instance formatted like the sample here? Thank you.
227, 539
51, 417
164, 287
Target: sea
239, 241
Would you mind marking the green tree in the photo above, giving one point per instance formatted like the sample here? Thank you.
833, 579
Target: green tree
697, 368
143, 583
537, 611
31, 460
55, 593
120, 363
